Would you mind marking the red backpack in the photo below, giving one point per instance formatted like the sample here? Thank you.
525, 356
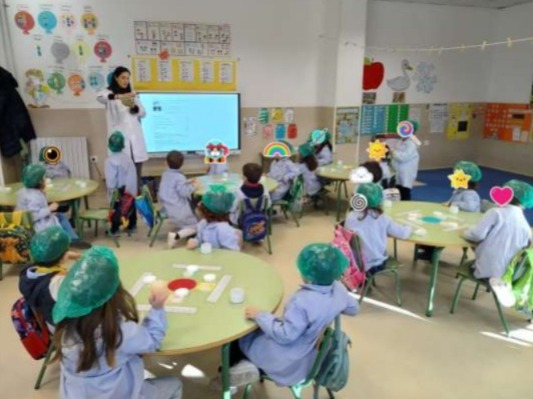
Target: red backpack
122, 210
353, 277
31, 328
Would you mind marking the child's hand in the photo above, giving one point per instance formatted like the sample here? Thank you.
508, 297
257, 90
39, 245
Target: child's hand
53, 206
158, 298
192, 243
251, 312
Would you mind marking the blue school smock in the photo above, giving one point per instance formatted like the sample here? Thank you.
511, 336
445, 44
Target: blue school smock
285, 348
466, 200
57, 171
120, 172
126, 378
217, 168
312, 184
405, 161
218, 234
175, 195
373, 231
500, 234
325, 156
34, 201
283, 171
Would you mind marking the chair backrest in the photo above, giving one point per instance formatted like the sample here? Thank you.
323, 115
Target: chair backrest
355, 243
323, 347
147, 195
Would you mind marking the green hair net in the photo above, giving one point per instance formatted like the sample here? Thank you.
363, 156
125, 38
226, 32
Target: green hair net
92, 281
323, 134
471, 169
218, 200
321, 264
373, 193
291, 148
32, 175
523, 192
49, 245
415, 125
305, 150
116, 142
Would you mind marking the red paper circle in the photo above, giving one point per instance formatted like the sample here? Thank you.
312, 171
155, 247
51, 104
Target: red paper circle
181, 283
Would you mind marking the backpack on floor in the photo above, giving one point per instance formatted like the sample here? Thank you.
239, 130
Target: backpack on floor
122, 210
254, 222
335, 368
353, 277
14, 239
31, 328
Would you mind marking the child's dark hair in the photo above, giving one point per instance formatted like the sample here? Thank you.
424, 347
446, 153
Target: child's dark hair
373, 212
211, 217
175, 159
310, 161
374, 168
326, 143
252, 172
515, 201
51, 263
472, 185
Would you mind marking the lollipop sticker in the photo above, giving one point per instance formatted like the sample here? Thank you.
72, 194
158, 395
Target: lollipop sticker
96, 80
24, 21
407, 129
60, 51
216, 152
81, 50
76, 84
57, 82
359, 202
48, 21
68, 22
103, 50
89, 22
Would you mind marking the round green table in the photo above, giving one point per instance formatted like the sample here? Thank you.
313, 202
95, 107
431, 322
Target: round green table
214, 324
441, 234
339, 174
61, 190
232, 182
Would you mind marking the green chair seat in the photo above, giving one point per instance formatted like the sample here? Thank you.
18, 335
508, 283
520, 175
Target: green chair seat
100, 215
95, 214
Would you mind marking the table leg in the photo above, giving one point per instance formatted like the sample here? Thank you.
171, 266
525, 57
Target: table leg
433, 279
76, 216
339, 190
226, 394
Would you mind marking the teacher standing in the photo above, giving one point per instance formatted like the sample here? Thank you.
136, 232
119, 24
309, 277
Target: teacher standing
124, 112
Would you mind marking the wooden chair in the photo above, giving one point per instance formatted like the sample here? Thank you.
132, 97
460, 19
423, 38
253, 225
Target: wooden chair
98, 215
16, 218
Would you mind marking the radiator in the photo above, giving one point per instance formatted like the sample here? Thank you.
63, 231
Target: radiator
74, 153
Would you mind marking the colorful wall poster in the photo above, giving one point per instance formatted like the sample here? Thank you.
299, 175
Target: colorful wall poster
373, 119
394, 115
438, 116
508, 122
460, 116
346, 127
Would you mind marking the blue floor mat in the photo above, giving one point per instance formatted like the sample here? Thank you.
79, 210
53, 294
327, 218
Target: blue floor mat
437, 186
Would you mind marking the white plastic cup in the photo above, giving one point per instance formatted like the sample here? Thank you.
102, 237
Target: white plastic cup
236, 295
209, 278
387, 204
206, 248
454, 209
149, 279
190, 270
181, 292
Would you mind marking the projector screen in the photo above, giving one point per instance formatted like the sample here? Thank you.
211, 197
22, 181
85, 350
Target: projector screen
187, 121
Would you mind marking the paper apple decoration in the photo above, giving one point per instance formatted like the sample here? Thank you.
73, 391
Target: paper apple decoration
373, 74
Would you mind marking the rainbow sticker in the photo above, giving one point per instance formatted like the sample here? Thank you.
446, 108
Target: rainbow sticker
405, 129
277, 149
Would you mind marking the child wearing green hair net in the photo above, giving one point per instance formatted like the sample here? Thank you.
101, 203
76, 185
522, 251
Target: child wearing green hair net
285, 347
467, 200
501, 233
308, 165
214, 228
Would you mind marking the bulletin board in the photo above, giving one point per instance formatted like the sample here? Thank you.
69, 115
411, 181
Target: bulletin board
183, 74
459, 121
508, 122
379, 119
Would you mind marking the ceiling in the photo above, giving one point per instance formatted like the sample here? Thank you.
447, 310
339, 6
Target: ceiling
496, 4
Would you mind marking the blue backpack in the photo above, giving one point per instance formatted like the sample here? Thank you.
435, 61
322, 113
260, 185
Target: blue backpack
144, 208
254, 222
335, 368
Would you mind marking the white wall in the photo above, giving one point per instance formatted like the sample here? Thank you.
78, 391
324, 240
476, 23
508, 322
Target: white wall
277, 42
511, 69
462, 76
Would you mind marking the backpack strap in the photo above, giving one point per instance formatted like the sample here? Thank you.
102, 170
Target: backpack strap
258, 206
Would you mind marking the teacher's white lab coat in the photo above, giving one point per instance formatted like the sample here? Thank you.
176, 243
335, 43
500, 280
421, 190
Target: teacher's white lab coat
405, 160
119, 118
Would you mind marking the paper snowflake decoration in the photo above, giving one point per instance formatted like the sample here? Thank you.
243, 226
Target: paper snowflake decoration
425, 77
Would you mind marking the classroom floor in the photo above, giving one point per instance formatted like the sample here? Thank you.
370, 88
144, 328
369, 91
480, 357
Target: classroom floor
397, 352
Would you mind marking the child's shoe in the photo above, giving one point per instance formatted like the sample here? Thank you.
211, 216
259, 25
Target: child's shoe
503, 292
243, 373
172, 240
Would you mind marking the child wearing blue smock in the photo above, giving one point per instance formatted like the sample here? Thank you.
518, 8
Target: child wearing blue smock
214, 228
373, 227
50, 158
405, 159
308, 165
467, 200
217, 168
31, 199
251, 189
321, 140
175, 196
285, 347
501, 233
98, 338
121, 175
284, 171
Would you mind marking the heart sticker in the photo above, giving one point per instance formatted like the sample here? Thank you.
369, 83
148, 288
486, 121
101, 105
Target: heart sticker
501, 195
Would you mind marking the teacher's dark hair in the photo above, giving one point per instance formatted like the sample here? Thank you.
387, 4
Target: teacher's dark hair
113, 86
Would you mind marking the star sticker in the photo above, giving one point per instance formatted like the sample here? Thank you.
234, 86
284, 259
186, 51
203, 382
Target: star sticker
377, 150
459, 179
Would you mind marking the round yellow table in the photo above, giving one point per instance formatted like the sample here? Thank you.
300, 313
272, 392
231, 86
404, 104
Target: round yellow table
214, 324
339, 174
440, 234
232, 182
61, 190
